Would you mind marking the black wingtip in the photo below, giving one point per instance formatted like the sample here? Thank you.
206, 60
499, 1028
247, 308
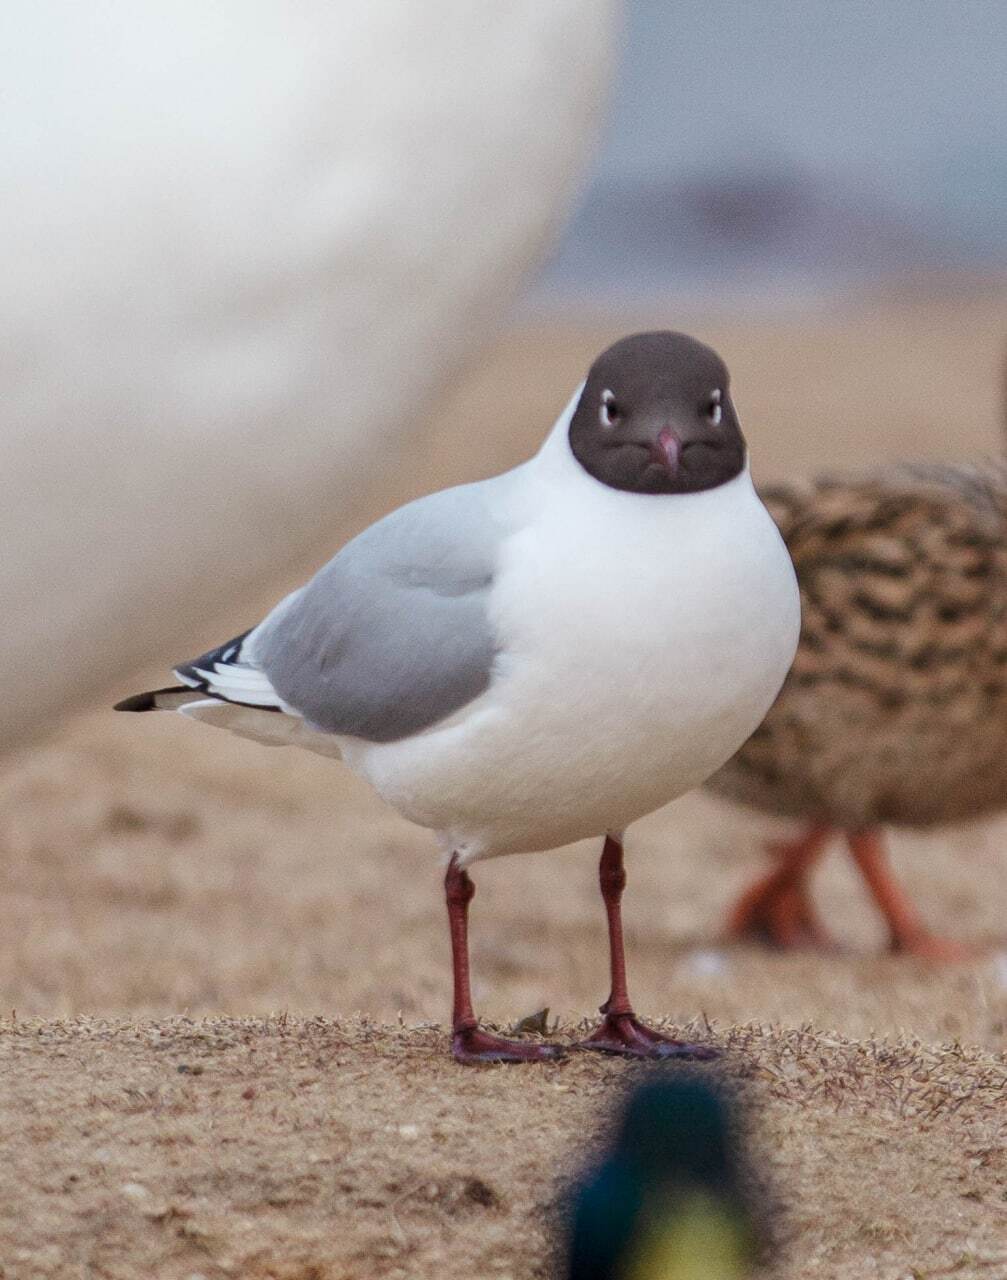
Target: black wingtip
138, 702
149, 701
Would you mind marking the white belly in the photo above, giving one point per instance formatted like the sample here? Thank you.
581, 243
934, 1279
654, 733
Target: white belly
640, 646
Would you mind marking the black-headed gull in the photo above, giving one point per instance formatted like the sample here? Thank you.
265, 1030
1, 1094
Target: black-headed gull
543, 656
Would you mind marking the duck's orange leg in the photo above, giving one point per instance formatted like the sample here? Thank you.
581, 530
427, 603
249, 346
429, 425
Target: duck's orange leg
908, 932
777, 909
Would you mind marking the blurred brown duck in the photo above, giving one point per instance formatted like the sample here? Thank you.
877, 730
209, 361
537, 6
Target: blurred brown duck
895, 711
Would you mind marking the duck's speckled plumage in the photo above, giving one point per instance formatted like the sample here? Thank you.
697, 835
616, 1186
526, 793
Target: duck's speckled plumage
895, 710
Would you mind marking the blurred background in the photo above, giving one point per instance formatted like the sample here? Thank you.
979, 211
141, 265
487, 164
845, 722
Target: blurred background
276, 269
776, 155
370, 244
817, 191
384, 278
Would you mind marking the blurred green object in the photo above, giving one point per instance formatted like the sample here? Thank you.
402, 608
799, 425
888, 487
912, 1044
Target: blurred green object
666, 1201
691, 1237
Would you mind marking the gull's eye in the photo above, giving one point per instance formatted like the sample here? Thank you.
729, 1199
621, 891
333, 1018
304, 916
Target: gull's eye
714, 408
609, 413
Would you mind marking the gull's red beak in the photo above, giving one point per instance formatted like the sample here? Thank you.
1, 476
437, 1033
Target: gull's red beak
668, 450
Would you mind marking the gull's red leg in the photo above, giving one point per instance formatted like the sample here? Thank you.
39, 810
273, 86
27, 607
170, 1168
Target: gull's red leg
620, 1031
468, 1042
777, 909
908, 932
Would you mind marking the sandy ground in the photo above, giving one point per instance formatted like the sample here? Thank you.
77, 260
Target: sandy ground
220, 964
307, 1148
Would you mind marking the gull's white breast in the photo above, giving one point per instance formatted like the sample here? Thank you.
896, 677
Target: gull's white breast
642, 640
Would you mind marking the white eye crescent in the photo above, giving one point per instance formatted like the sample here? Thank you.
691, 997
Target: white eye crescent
609, 413
715, 409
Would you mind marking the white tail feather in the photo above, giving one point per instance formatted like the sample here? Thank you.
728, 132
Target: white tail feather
238, 682
264, 727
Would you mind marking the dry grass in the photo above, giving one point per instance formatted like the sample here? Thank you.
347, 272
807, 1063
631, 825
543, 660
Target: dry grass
305, 1148
150, 868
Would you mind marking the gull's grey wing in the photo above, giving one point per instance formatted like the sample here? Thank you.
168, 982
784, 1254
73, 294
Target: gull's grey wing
393, 634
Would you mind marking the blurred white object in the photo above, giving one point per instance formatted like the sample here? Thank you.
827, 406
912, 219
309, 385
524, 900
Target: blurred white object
707, 964
244, 243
